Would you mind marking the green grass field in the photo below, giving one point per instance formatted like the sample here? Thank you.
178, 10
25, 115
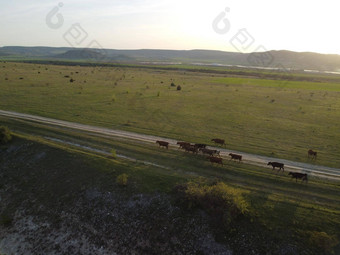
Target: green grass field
286, 209
262, 116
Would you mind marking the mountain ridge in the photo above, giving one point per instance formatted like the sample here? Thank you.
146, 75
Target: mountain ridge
274, 58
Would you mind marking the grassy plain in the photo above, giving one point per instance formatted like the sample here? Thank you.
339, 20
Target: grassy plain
286, 211
269, 117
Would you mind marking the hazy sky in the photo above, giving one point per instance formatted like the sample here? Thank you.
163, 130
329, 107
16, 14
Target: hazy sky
173, 24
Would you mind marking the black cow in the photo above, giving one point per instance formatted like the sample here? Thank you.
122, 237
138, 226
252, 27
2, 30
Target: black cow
209, 151
276, 164
200, 145
301, 176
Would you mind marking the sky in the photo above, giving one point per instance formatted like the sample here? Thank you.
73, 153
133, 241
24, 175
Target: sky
232, 25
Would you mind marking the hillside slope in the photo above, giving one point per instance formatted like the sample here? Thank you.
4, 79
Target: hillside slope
273, 59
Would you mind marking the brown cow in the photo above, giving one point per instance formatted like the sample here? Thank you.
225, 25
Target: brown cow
183, 144
215, 160
163, 144
312, 153
235, 156
218, 141
190, 148
301, 176
209, 152
276, 164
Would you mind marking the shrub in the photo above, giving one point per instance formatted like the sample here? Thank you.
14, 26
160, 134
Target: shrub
323, 241
122, 179
173, 84
158, 94
223, 202
113, 153
179, 87
5, 135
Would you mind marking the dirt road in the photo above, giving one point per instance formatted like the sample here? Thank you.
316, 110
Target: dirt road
252, 159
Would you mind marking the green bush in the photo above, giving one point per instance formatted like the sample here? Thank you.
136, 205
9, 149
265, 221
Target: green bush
122, 179
113, 153
323, 241
5, 135
218, 199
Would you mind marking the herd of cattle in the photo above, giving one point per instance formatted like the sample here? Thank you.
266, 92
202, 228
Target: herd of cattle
214, 155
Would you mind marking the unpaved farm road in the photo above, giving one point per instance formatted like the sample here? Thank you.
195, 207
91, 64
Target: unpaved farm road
252, 159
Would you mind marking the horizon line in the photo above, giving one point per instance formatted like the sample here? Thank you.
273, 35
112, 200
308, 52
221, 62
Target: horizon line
136, 49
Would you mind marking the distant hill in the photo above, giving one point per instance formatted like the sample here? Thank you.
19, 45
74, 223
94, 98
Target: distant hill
307, 60
33, 51
80, 54
287, 59
2, 54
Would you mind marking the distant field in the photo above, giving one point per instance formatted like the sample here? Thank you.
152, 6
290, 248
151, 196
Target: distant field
262, 116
